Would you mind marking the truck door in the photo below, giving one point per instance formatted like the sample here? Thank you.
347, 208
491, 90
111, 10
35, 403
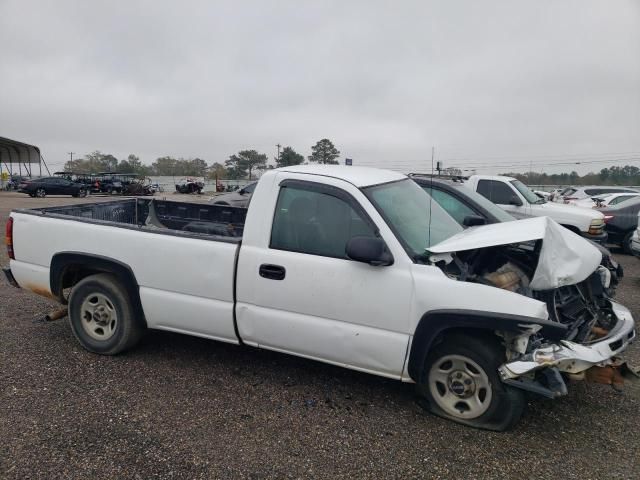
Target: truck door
504, 195
299, 293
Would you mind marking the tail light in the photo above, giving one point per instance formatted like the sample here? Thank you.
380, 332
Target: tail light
607, 218
8, 238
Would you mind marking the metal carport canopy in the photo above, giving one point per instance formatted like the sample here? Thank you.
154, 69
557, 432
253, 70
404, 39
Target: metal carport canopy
12, 151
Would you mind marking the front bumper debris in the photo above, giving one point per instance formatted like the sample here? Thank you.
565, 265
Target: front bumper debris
10, 277
574, 358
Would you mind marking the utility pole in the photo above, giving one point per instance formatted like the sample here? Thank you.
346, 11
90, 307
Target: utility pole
278, 157
71, 156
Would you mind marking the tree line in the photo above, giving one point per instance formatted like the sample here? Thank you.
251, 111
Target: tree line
626, 176
241, 165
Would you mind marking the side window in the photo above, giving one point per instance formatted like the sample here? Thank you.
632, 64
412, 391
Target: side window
451, 204
317, 223
250, 188
497, 192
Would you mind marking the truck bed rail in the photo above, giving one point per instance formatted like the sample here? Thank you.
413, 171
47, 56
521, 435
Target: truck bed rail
216, 220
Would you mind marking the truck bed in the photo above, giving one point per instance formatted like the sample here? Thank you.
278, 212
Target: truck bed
223, 222
182, 255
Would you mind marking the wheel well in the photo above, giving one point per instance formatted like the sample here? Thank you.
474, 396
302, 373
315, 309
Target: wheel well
68, 268
436, 326
457, 334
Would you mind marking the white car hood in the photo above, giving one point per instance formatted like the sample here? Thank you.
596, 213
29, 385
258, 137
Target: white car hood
565, 258
567, 210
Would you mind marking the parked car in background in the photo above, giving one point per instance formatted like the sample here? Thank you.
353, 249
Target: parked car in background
156, 188
42, 187
605, 200
572, 194
517, 199
622, 221
463, 204
635, 240
239, 198
542, 194
555, 192
13, 183
189, 185
469, 208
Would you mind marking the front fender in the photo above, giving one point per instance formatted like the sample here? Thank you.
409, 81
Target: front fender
435, 322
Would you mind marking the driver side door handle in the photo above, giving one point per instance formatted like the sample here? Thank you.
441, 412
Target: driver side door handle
272, 272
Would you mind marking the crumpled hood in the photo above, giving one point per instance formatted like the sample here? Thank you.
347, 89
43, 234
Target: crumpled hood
565, 258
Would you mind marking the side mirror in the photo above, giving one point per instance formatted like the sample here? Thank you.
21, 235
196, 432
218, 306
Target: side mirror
474, 220
241, 191
515, 201
371, 250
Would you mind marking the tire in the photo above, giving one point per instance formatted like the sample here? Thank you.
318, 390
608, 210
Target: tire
626, 243
41, 193
82, 193
460, 382
117, 328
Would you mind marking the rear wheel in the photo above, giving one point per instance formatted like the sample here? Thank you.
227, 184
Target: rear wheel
41, 193
82, 193
460, 382
102, 317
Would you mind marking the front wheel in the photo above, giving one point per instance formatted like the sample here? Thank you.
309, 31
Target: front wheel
102, 317
41, 193
460, 382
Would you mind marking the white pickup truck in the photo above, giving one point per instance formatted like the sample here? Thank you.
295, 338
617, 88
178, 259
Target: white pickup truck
520, 201
350, 266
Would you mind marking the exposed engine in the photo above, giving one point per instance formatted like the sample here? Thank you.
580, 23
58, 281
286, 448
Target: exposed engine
584, 307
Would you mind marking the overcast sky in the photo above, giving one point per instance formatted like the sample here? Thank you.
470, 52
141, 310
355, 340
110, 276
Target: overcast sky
485, 82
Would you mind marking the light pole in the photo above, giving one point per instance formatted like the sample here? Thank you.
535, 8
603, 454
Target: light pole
278, 157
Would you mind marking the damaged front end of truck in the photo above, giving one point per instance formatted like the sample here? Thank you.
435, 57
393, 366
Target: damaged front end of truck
540, 259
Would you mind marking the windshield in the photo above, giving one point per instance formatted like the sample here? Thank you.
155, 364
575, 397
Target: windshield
414, 217
526, 192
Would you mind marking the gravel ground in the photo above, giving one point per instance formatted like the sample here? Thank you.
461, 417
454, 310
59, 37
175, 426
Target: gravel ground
183, 407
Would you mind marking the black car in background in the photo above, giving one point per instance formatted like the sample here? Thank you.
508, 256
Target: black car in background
621, 221
469, 208
41, 187
463, 204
